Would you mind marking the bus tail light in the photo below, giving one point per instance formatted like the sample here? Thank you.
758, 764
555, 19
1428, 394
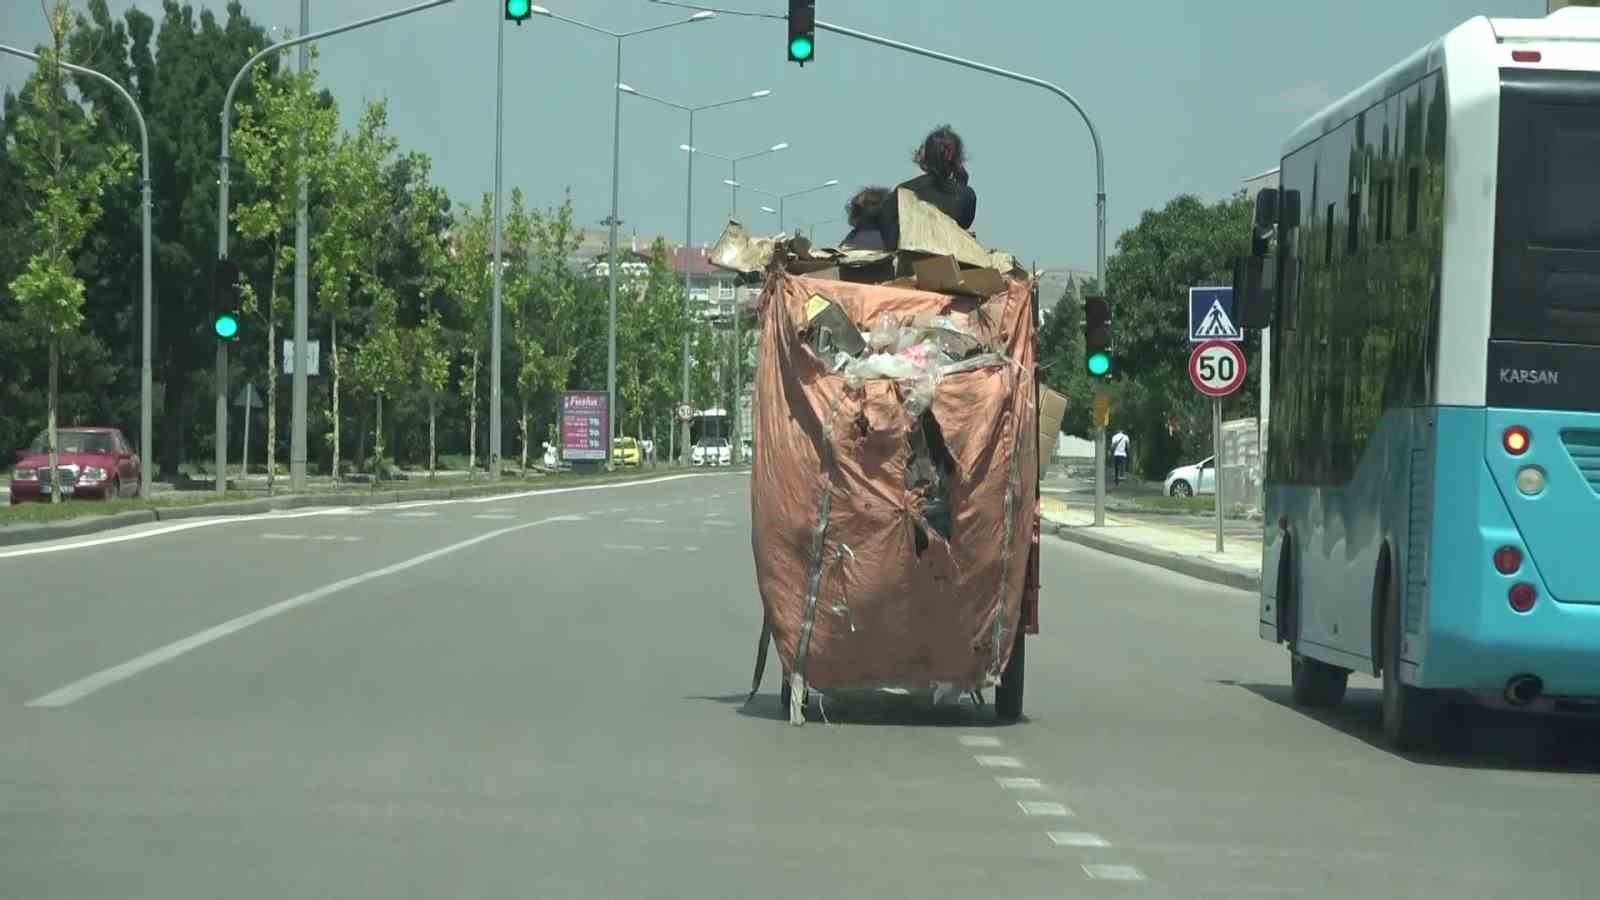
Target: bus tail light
1523, 596
1516, 440
1526, 56
1507, 560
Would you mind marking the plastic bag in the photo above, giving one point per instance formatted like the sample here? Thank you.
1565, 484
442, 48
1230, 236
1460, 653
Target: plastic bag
885, 335
880, 365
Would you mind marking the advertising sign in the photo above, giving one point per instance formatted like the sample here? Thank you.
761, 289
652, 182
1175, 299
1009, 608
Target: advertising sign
585, 422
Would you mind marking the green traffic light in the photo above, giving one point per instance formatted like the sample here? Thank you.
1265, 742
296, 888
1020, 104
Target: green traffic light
1099, 363
517, 9
800, 48
226, 326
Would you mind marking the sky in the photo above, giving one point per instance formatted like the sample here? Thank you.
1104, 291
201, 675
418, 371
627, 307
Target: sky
1188, 97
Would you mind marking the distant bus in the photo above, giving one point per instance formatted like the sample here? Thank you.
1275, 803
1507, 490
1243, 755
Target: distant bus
1433, 466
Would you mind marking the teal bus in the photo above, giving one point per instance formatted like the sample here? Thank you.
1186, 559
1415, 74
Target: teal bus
1430, 269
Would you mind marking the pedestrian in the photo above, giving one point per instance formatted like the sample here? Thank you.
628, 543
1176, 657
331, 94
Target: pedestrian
1119, 455
943, 183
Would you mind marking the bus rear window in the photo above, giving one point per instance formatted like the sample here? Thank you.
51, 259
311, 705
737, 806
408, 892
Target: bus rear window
1566, 209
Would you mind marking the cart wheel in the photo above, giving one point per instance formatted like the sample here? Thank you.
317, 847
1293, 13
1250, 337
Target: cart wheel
1008, 695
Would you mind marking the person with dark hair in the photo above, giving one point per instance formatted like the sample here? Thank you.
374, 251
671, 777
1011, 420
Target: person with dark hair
943, 183
864, 212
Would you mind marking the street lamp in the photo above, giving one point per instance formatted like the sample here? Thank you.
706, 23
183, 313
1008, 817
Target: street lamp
733, 162
222, 219
145, 377
613, 221
781, 198
688, 213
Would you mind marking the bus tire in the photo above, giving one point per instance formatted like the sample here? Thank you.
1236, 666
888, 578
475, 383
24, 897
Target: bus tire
1008, 694
1412, 717
1315, 683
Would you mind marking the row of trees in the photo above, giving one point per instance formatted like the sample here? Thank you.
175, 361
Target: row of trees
1187, 243
401, 278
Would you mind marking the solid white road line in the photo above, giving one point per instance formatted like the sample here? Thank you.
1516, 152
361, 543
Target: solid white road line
153, 532
107, 677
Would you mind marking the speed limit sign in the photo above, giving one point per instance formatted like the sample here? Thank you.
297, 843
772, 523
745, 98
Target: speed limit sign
1217, 368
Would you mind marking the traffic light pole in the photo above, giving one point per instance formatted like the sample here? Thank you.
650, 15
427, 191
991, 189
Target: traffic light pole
494, 347
298, 383
1100, 190
146, 424
221, 436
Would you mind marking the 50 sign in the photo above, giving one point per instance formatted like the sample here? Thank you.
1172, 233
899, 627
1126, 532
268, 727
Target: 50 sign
1217, 368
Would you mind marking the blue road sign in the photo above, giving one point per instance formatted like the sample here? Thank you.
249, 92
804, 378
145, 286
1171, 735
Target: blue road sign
1211, 315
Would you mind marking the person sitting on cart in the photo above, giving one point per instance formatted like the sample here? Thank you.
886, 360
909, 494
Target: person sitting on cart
944, 183
865, 212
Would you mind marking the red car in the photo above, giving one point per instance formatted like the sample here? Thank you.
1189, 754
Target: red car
91, 462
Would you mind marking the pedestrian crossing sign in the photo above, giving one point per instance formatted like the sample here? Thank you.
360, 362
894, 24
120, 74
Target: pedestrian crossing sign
1211, 315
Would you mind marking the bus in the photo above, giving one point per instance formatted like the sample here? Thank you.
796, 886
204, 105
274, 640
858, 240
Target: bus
1430, 269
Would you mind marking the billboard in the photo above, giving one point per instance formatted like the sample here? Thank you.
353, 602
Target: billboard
585, 422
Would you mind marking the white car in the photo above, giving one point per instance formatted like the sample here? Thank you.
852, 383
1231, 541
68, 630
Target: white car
1187, 481
713, 452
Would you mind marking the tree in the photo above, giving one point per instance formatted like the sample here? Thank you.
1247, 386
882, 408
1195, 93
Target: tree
64, 202
1061, 358
554, 316
382, 361
468, 282
1186, 243
429, 341
343, 250
285, 139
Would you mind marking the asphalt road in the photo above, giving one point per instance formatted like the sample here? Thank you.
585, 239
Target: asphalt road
541, 697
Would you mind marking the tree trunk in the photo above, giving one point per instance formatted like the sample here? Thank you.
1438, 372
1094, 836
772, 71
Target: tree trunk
472, 421
50, 422
272, 399
433, 445
377, 441
333, 346
524, 423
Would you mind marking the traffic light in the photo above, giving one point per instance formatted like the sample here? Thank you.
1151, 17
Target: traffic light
225, 301
1097, 337
518, 11
802, 31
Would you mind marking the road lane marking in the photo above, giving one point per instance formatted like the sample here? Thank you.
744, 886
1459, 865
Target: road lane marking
1077, 839
104, 678
1113, 873
1019, 784
718, 523
170, 529
644, 521
998, 762
979, 740
416, 515
494, 516
1043, 808
622, 546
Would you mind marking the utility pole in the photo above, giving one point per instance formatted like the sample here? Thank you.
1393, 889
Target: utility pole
302, 311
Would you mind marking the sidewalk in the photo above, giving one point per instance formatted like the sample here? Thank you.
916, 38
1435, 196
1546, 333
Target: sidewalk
1149, 539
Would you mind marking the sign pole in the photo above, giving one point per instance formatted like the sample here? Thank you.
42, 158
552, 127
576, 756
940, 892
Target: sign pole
1216, 458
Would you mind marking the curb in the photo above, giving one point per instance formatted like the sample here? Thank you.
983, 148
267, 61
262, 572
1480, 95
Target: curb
1204, 570
91, 524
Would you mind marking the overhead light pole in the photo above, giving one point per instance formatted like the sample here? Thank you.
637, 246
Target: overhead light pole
612, 222
733, 163
146, 417
782, 198
221, 438
688, 217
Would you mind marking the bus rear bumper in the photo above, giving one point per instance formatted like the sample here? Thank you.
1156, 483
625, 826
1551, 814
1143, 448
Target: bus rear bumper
1557, 643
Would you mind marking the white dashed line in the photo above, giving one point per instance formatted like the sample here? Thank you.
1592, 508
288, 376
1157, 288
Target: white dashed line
622, 546
719, 523
283, 537
1043, 808
979, 740
1077, 839
415, 515
644, 521
1019, 784
998, 762
1114, 873
492, 517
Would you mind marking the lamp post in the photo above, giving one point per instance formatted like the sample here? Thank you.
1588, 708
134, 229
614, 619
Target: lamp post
688, 215
613, 221
781, 198
145, 377
222, 212
733, 163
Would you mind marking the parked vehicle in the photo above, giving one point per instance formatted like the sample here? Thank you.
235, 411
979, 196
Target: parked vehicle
713, 451
1198, 478
94, 463
625, 452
